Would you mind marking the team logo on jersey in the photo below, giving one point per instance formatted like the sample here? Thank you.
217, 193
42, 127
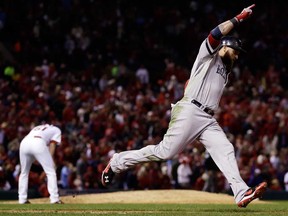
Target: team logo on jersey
222, 71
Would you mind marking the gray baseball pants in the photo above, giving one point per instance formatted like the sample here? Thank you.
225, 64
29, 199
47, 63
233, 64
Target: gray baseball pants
188, 122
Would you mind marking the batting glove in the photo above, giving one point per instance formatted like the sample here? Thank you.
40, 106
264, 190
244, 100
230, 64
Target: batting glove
245, 14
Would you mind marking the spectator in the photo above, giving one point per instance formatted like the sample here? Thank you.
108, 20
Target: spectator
4, 184
65, 174
211, 174
81, 165
184, 173
143, 75
286, 181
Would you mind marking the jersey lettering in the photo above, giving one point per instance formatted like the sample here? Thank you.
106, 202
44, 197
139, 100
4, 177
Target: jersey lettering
222, 71
40, 127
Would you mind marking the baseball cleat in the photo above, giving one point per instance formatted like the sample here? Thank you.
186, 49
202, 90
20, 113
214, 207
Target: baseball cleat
107, 176
252, 193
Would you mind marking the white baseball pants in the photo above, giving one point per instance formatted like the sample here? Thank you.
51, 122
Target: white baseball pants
187, 123
32, 148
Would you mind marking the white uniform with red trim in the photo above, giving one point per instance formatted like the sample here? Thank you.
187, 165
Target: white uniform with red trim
189, 122
35, 146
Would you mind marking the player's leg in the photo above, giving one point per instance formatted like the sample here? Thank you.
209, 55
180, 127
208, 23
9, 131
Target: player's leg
26, 160
185, 125
222, 152
44, 157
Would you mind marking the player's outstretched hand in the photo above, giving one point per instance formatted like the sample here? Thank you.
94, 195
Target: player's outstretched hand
245, 14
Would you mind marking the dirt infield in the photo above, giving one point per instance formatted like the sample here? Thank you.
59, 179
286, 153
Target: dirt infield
153, 196
147, 196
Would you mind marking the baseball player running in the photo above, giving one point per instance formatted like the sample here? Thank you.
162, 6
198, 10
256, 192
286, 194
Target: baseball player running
40, 145
192, 116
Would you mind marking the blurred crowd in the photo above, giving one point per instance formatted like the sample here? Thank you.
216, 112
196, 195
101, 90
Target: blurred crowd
106, 73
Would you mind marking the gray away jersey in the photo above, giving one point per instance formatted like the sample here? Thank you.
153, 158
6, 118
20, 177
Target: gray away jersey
208, 77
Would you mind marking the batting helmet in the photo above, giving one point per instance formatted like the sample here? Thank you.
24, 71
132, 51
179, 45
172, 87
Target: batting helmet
232, 42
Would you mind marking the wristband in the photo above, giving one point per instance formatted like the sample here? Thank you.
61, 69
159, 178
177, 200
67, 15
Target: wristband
216, 33
234, 21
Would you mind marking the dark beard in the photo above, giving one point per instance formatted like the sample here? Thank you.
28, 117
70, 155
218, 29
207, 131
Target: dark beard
228, 62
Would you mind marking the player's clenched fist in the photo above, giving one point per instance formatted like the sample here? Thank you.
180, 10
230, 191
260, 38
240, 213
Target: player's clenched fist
246, 13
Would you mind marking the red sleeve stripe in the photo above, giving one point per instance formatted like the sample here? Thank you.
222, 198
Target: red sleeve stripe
213, 42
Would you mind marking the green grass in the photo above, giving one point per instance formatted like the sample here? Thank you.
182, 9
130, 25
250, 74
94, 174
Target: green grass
270, 209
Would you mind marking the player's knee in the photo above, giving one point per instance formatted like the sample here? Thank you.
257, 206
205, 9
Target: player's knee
162, 152
229, 150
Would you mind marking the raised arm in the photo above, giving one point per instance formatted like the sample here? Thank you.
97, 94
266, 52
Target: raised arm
224, 28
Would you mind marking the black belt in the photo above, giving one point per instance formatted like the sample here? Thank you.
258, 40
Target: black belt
205, 109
